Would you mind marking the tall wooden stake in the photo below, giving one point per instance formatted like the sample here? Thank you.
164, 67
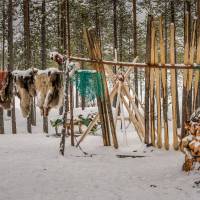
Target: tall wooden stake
147, 79
152, 78
173, 87
164, 85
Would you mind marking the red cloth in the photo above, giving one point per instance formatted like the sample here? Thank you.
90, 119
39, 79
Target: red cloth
3, 78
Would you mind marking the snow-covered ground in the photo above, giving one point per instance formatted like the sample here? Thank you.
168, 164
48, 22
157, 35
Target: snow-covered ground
32, 169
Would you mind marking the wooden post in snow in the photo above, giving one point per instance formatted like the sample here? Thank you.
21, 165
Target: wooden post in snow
147, 80
196, 90
185, 76
173, 87
158, 98
152, 78
164, 85
104, 104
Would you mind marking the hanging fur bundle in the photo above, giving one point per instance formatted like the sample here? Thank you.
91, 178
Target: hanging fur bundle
57, 57
72, 67
48, 84
6, 92
25, 88
190, 145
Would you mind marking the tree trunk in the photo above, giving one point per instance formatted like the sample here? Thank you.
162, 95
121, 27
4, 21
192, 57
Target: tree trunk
134, 10
27, 48
43, 53
147, 81
63, 27
3, 64
10, 58
115, 42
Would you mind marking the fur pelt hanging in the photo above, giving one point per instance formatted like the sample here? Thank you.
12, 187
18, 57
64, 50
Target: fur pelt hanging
57, 57
72, 66
25, 88
49, 89
6, 91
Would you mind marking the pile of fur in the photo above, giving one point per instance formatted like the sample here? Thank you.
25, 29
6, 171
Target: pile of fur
190, 145
6, 92
49, 89
25, 88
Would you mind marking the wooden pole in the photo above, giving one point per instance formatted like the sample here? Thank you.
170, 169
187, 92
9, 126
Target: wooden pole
185, 76
139, 65
71, 84
147, 80
197, 73
173, 87
152, 78
164, 85
95, 53
158, 98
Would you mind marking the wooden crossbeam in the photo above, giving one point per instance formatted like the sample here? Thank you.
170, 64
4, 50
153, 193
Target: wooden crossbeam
138, 65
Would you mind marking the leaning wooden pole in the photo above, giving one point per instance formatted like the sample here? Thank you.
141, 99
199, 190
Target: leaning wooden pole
93, 45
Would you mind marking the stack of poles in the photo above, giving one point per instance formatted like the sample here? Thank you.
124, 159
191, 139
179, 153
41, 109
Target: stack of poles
190, 77
156, 99
103, 101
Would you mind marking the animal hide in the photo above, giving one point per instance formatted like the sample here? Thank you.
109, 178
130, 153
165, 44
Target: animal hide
72, 67
25, 89
48, 84
6, 92
57, 57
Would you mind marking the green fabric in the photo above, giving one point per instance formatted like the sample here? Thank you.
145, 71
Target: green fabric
89, 84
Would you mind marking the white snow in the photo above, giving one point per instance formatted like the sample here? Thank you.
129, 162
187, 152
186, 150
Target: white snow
24, 73
31, 168
48, 70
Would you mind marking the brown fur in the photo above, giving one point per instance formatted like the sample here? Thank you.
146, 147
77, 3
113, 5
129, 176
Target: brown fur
6, 92
49, 91
188, 165
25, 89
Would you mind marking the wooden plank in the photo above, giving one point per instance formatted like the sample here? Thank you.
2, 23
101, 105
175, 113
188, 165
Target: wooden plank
173, 87
164, 85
